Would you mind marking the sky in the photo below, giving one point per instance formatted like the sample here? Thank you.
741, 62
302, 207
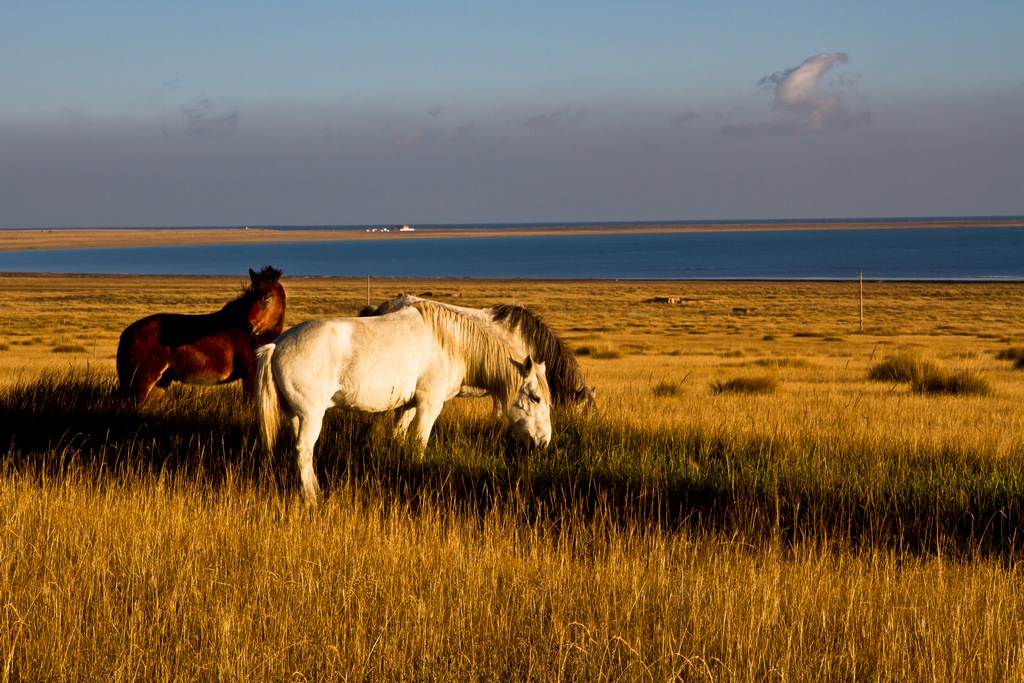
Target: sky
316, 112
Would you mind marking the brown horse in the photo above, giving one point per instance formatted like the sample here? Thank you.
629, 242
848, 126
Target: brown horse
211, 348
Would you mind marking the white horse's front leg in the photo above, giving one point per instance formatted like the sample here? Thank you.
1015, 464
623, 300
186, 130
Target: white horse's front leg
426, 414
307, 431
403, 418
499, 407
474, 392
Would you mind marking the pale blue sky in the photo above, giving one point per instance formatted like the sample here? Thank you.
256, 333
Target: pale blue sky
232, 113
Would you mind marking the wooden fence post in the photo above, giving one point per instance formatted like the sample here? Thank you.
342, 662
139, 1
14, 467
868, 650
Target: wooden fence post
862, 301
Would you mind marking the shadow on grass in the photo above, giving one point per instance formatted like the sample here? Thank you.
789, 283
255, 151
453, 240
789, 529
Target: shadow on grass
596, 472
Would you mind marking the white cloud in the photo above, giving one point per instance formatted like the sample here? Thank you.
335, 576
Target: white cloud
798, 91
809, 106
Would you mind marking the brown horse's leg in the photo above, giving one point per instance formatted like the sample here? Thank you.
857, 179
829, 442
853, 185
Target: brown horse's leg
246, 367
142, 360
156, 392
144, 382
149, 383
249, 388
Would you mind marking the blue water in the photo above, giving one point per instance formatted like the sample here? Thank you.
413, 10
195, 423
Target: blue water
883, 253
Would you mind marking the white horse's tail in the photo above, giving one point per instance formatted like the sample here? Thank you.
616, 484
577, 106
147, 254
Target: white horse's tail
268, 400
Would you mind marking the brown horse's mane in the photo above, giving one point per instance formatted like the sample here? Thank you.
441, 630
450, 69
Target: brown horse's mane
389, 306
565, 376
268, 275
259, 283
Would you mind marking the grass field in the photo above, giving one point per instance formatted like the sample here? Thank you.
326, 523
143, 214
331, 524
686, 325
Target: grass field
770, 492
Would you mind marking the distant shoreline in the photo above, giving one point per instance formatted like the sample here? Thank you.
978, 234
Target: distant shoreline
84, 238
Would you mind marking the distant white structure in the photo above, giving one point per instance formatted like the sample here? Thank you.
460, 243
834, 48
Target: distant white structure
399, 228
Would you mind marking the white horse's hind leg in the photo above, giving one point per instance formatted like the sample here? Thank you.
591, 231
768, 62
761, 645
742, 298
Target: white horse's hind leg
307, 431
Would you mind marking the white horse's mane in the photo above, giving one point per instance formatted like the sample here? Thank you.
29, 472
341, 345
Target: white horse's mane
487, 357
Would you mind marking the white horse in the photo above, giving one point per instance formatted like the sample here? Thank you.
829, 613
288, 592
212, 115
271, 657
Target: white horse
411, 361
524, 330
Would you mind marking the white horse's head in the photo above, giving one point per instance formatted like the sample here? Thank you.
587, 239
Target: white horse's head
529, 413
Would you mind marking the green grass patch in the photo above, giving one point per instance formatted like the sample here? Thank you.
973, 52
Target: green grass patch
599, 351
961, 382
745, 385
776, 363
901, 368
927, 377
1015, 354
666, 389
69, 348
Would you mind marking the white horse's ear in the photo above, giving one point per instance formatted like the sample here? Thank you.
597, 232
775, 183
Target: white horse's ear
527, 366
524, 368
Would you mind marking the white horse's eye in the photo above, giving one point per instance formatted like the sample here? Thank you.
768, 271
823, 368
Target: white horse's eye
534, 397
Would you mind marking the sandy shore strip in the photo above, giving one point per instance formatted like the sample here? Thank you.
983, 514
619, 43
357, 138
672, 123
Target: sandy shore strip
81, 238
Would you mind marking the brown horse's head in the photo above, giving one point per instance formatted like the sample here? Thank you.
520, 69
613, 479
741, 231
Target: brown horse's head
265, 303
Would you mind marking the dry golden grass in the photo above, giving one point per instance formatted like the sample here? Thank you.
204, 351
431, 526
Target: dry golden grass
143, 578
132, 573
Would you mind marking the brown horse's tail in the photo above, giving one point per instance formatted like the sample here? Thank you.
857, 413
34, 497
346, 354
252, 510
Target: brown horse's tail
268, 399
127, 364
125, 372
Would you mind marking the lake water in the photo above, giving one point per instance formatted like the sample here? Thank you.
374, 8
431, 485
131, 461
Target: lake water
890, 253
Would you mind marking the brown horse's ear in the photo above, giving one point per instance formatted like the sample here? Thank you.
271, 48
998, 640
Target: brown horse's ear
269, 273
253, 275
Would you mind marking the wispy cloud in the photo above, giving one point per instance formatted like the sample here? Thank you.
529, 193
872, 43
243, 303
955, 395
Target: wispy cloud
555, 119
762, 128
414, 137
798, 91
201, 125
680, 119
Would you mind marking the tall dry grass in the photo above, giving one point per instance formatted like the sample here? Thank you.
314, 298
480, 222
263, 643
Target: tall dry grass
833, 529
145, 578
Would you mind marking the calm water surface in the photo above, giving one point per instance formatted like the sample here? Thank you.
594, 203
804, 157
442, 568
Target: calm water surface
893, 253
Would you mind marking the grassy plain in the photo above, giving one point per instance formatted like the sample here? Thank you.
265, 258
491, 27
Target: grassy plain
824, 526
